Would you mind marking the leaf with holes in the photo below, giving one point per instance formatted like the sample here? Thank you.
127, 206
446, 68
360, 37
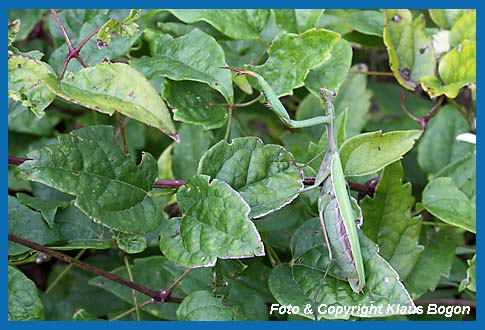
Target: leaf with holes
126, 28
457, 69
266, 176
109, 187
26, 83
411, 52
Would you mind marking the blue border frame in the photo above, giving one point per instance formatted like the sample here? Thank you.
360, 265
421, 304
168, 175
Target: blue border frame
6, 5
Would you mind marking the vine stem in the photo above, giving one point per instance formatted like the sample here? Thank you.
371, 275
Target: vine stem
366, 189
117, 317
73, 52
423, 121
158, 296
64, 272
133, 292
123, 132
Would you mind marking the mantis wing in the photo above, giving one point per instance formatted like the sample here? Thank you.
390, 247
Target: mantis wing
341, 229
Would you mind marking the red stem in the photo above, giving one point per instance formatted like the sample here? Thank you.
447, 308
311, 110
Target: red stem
366, 189
158, 296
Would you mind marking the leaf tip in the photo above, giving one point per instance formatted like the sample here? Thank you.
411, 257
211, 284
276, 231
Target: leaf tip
175, 137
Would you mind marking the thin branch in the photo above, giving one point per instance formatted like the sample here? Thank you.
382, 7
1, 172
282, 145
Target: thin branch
63, 29
423, 121
123, 133
168, 183
248, 103
64, 272
366, 189
133, 292
157, 296
172, 286
13, 160
74, 52
131, 310
229, 122
446, 301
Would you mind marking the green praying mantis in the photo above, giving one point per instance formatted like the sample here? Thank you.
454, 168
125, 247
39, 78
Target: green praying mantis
339, 213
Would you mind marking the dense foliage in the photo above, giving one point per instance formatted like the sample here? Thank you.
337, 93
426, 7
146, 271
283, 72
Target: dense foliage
135, 150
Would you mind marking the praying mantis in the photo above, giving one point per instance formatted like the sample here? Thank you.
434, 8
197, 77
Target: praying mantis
339, 212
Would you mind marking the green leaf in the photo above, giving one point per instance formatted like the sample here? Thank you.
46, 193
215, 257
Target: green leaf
173, 247
23, 298
115, 28
78, 231
457, 68
13, 29
434, 263
369, 22
164, 163
440, 194
369, 152
27, 224
215, 223
111, 87
464, 28
463, 173
193, 103
266, 176
154, 272
411, 52
300, 283
445, 18
187, 153
292, 56
26, 83
203, 306
438, 146
109, 187
297, 20
470, 282
234, 23
129, 243
48, 209
195, 56
389, 223
21, 120
332, 73
356, 97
